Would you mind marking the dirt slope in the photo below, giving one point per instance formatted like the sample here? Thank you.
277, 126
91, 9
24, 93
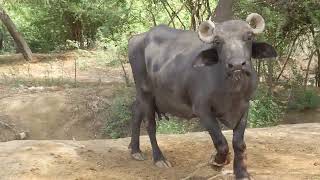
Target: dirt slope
285, 152
54, 112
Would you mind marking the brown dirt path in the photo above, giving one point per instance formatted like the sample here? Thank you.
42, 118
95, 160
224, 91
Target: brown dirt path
286, 152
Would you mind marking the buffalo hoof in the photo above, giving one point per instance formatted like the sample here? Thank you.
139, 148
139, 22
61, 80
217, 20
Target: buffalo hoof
214, 163
138, 156
228, 174
163, 164
247, 178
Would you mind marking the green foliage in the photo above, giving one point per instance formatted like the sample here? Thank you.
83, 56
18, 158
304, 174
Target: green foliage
264, 110
172, 126
119, 114
49, 25
285, 20
303, 99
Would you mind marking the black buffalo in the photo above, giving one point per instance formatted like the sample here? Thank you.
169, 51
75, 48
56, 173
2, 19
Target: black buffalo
208, 74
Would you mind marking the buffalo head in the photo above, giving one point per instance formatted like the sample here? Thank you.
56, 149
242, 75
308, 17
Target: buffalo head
233, 44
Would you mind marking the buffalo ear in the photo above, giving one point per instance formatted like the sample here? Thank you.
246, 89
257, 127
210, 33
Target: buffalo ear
206, 58
263, 50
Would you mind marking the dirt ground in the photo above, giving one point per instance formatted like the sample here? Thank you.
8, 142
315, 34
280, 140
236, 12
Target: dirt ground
40, 98
286, 152
55, 113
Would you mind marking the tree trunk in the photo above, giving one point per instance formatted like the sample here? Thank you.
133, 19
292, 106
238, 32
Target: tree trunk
223, 11
1, 40
318, 54
17, 37
270, 76
318, 69
192, 12
259, 70
308, 69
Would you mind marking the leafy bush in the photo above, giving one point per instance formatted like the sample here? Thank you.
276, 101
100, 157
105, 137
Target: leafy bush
264, 110
71, 45
301, 99
119, 114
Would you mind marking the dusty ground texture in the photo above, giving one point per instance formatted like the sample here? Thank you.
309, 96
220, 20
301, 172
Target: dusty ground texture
55, 112
286, 152
42, 99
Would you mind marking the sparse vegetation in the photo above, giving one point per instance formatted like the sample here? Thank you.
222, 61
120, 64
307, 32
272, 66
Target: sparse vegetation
301, 99
264, 110
119, 113
35, 82
172, 126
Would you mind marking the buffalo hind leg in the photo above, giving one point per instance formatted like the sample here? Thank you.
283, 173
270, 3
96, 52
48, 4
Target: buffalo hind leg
158, 158
239, 147
144, 109
135, 134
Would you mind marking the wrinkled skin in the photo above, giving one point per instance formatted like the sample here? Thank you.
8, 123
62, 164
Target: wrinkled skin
176, 73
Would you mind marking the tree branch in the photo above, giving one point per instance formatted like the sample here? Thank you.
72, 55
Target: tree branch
289, 54
181, 8
168, 12
176, 13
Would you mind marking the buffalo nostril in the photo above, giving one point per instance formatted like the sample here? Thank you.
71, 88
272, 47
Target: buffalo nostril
230, 66
244, 63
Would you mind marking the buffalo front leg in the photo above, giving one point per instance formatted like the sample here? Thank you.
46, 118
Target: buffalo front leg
239, 147
222, 157
158, 158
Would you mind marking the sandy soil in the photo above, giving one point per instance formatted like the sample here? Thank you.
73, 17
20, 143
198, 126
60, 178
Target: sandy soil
286, 152
39, 97
55, 112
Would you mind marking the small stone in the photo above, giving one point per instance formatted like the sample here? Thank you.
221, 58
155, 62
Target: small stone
22, 136
28, 148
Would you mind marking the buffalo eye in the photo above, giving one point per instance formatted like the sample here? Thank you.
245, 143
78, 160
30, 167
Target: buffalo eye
217, 40
248, 36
